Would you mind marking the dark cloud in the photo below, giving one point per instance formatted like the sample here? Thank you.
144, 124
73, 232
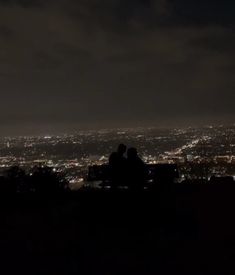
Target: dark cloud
203, 12
91, 62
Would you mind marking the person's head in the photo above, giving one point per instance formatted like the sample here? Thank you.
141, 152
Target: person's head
132, 153
121, 149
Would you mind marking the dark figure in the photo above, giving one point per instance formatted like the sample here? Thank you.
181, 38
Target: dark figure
136, 170
117, 164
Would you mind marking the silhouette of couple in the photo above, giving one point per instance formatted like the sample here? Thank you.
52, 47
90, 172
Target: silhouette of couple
128, 171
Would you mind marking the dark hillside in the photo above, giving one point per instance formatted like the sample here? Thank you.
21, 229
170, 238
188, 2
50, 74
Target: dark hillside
188, 231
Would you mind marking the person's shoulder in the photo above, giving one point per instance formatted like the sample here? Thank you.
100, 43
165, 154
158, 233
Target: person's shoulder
140, 161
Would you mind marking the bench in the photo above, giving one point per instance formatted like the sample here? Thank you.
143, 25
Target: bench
156, 173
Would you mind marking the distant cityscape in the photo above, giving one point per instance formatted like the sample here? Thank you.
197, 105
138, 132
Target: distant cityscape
199, 152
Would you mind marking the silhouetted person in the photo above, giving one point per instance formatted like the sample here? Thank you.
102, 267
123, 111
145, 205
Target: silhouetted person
136, 170
117, 164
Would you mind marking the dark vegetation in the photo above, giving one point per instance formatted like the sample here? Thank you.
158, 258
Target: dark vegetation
185, 228
41, 180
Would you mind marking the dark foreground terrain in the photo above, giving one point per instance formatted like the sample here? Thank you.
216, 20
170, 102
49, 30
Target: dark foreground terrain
190, 230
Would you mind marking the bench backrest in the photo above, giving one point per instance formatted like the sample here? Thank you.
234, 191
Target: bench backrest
155, 172
98, 173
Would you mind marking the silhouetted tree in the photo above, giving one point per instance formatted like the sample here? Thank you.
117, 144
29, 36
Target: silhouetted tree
45, 180
16, 180
42, 180
4, 187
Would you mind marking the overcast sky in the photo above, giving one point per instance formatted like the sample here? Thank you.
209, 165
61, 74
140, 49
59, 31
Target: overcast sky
69, 64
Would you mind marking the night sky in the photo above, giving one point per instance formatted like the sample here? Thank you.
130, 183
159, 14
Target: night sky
71, 64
